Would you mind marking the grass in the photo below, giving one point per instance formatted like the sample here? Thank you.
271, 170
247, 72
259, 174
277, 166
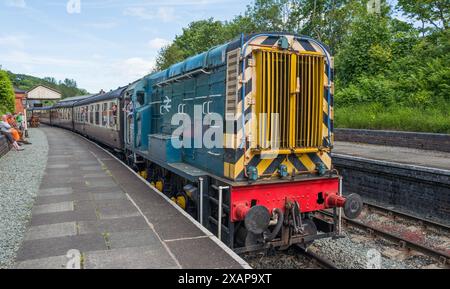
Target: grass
435, 119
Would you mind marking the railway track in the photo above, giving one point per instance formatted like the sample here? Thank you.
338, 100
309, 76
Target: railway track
319, 260
394, 214
443, 258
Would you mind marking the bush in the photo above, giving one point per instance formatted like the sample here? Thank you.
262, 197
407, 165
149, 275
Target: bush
375, 116
7, 96
366, 90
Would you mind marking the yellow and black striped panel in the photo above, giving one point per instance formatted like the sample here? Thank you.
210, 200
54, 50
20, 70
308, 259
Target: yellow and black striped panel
307, 127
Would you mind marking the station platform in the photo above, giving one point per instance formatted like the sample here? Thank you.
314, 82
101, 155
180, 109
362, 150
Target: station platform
90, 202
400, 155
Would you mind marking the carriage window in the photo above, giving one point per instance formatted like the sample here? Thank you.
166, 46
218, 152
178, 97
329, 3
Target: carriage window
86, 111
113, 115
91, 114
105, 114
97, 114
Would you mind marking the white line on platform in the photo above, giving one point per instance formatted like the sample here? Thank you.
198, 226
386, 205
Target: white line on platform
224, 247
146, 220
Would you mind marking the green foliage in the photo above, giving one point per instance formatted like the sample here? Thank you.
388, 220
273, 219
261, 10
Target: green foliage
367, 89
7, 96
374, 116
367, 48
434, 12
198, 37
68, 87
389, 74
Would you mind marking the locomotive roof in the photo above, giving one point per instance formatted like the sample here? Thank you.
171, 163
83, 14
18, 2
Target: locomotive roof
39, 108
215, 56
104, 96
70, 101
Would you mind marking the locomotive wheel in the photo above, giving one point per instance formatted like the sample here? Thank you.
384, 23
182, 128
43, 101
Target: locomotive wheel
253, 239
310, 229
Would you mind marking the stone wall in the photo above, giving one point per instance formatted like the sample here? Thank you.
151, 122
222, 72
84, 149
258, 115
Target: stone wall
427, 141
419, 191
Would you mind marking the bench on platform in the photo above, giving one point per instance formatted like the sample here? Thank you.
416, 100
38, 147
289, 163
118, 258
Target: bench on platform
4, 145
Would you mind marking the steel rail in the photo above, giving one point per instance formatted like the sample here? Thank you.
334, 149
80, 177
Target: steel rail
441, 257
394, 213
322, 262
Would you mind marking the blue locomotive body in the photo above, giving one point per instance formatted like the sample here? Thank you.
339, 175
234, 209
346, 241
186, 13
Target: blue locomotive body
240, 137
197, 82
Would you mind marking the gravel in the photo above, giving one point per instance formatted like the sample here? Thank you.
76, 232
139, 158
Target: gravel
353, 253
20, 177
289, 259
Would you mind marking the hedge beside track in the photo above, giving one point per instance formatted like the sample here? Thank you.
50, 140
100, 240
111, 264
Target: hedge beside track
417, 140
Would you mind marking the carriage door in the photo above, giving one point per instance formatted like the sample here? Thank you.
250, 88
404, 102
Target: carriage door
129, 121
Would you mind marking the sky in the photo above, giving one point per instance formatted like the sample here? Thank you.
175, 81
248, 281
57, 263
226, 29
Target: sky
102, 44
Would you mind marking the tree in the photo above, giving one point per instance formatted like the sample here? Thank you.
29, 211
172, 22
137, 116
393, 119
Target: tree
7, 96
167, 56
366, 50
198, 37
434, 12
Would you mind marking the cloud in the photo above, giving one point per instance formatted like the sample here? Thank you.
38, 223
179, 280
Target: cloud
16, 3
101, 25
21, 57
158, 43
139, 12
12, 41
93, 73
165, 14
135, 67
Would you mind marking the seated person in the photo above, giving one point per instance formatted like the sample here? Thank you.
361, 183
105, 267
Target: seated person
15, 131
5, 129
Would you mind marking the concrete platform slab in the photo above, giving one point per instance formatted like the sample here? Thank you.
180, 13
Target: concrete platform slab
137, 258
51, 247
417, 157
51, 231
91, 202
112, 225
55, 191
138, 238
57, 262
53, 208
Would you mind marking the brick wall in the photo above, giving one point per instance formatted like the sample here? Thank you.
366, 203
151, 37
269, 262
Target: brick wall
428, 141
19, 105
421, 191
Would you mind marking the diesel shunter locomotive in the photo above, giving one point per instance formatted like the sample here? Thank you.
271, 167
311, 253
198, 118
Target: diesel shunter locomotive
266, 103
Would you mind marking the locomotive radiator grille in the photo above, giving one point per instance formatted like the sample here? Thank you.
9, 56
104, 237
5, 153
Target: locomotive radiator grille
289, 100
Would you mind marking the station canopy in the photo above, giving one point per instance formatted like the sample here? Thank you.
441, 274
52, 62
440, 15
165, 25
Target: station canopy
42, 92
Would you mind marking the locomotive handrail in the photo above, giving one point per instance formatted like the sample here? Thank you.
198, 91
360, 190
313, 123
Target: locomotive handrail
202, 70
